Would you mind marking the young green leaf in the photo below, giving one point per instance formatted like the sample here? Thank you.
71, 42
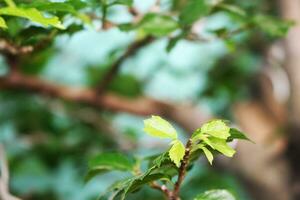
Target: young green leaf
221, 146
2, 23
193, 11
176, 152
32, 14
216, 128
158, 127
215, 195
208, 154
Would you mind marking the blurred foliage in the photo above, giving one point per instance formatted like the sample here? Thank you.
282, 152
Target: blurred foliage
214, 48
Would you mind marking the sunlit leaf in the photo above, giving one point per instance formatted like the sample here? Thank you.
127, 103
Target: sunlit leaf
222, 146
2, 23
215, 195
208, 154
33, 15
158, 127
216, 128
176, 152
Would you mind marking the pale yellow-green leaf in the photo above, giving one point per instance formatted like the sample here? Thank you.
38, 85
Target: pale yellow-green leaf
216, 128
33, 15
208, 154
222, 146
158, 127
176, 152
2, 23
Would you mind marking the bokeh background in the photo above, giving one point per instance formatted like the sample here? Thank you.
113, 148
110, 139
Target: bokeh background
252, 79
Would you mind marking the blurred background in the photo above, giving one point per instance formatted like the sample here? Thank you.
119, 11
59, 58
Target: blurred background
50, 129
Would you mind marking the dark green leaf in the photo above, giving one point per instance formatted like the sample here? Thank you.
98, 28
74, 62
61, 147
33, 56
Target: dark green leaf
108, 162
194, 10
113, 160
236, 134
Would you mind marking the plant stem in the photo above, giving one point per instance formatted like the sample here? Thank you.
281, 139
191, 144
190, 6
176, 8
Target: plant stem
182, 171
104, 13
162, 188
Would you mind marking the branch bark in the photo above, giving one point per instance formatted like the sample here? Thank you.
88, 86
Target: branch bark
184, 114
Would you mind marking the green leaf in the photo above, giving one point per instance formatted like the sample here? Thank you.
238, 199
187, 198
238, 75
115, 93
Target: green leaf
157, 25
53, 6
112, 160
2, 23
158, 127
236, 134
127, 27
32, 14
193, 11
122, 2
107, 162
208, 154
221, 146
216, 128
232, 9
176, 152
272, 26
215, 195
132, 184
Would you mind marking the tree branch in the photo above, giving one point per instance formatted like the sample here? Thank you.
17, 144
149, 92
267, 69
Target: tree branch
185, 115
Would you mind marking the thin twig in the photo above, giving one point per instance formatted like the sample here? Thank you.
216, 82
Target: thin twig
132, 50
162, 188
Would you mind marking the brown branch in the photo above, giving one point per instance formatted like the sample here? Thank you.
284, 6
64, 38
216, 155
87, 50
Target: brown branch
182, 171
132, 50
185, 115
12, 49
162, 188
